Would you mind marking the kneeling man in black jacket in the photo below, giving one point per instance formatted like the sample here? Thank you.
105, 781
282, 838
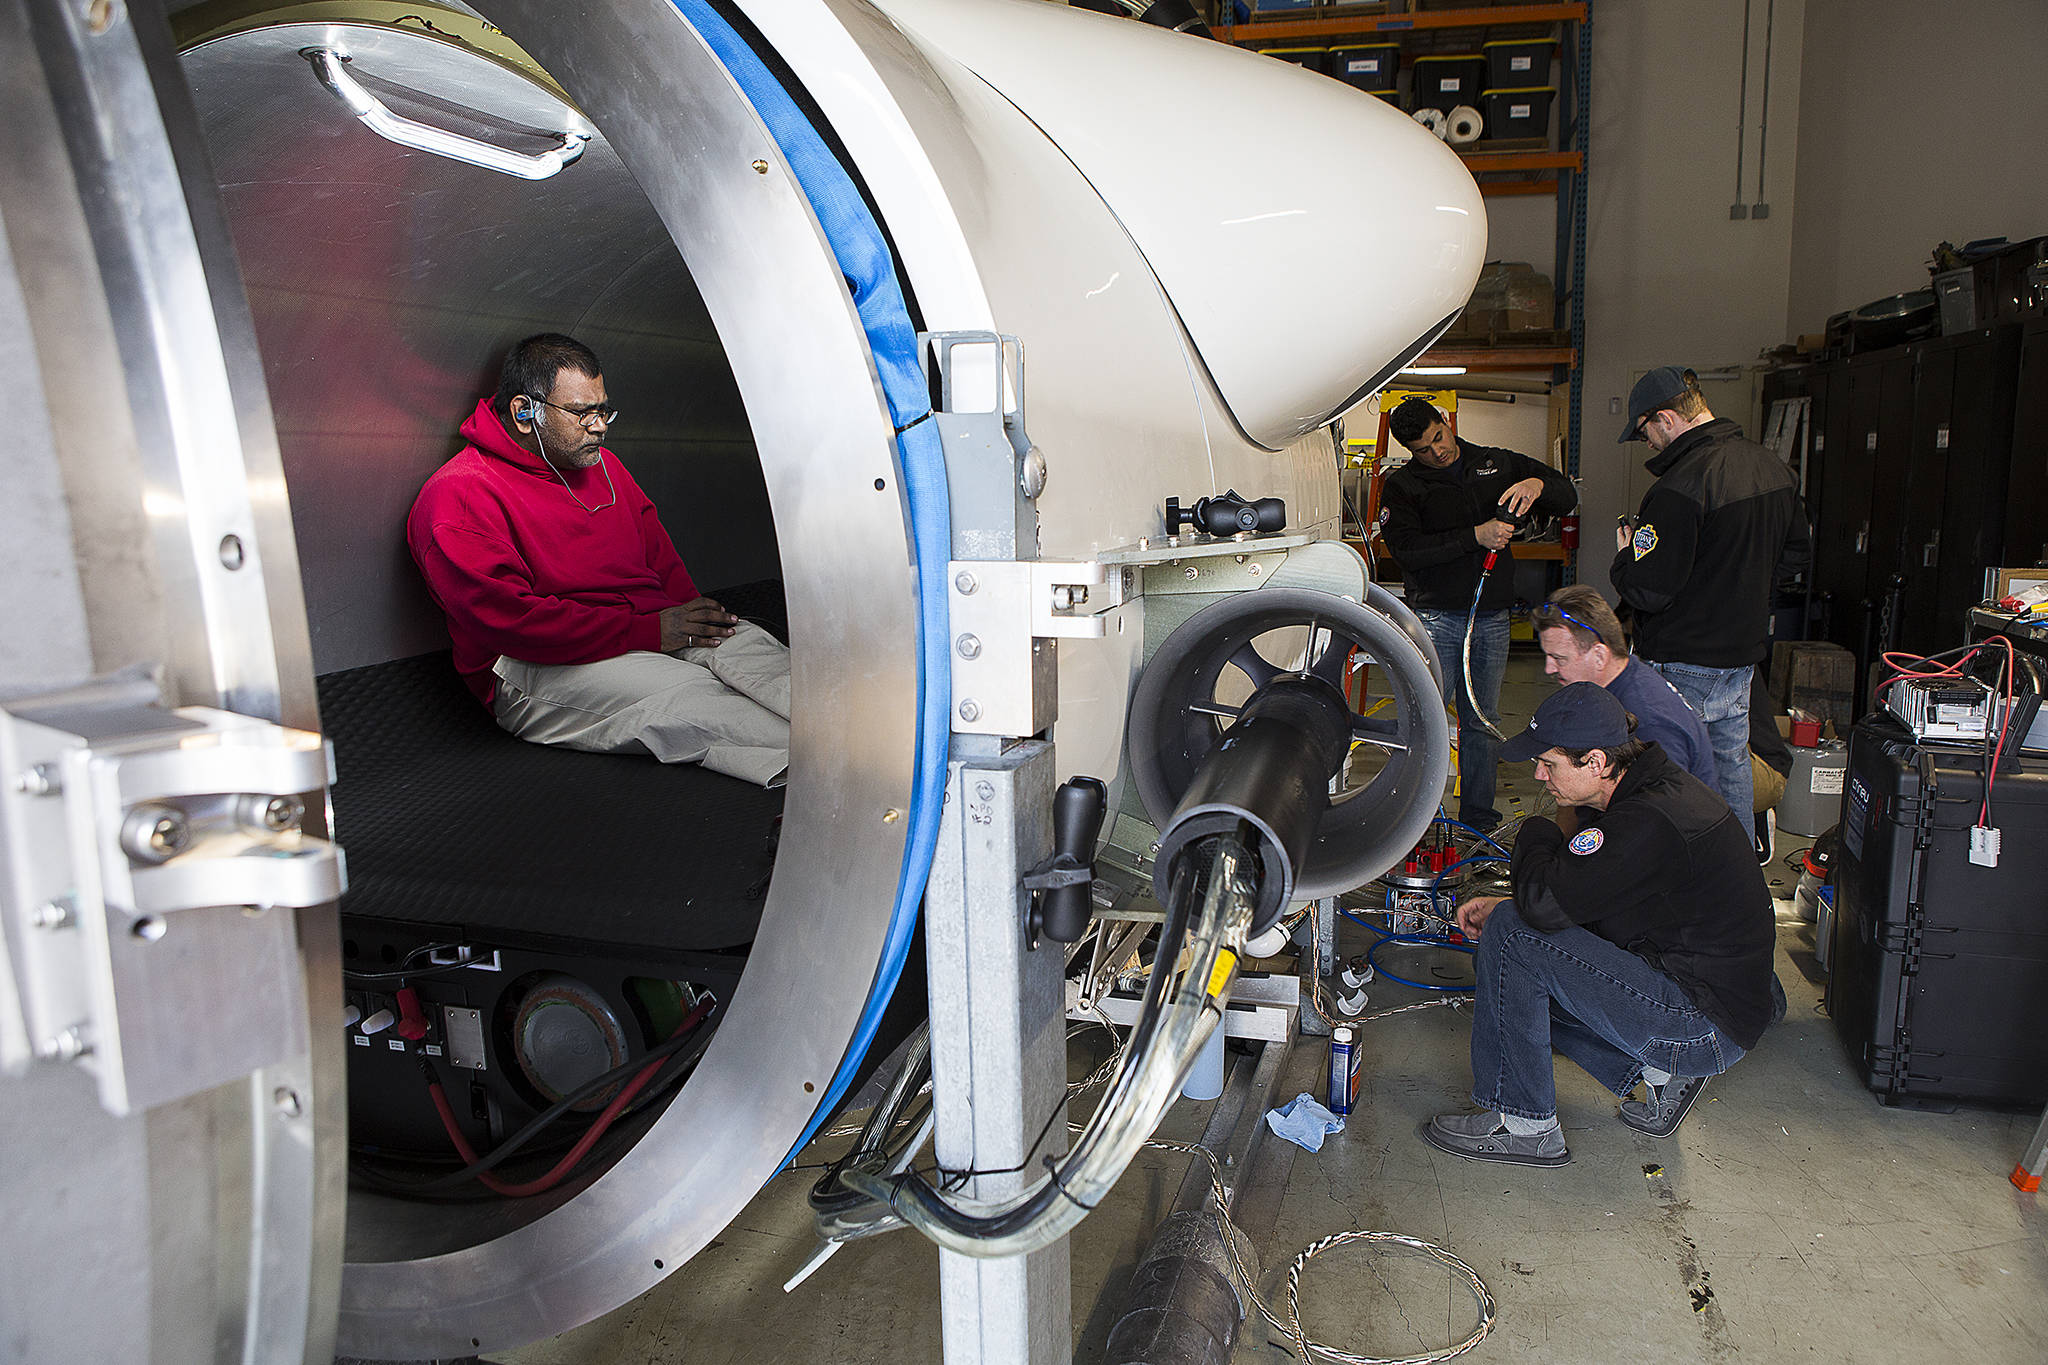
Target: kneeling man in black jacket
1638, 942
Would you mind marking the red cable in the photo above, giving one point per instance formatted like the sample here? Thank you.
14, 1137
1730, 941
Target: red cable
583, 1145
2005, 723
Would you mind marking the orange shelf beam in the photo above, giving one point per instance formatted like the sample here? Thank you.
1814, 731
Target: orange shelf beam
1536, 549
1501, 189
1342, 26
1492, 358
1479, 163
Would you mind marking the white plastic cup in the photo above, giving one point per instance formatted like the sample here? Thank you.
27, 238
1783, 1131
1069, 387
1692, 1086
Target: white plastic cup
1204, 1080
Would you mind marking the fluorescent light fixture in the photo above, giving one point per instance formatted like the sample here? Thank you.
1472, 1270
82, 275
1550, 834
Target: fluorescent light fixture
1434, 369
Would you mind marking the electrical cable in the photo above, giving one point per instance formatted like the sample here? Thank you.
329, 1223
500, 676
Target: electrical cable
1491, 726
405, 969
1443, 819
569, 1162
1304, 1347
1209, 908
1387, 936
1922, 666
691, 1045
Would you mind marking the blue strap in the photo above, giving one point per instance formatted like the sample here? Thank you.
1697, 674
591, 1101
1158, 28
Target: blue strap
870, 271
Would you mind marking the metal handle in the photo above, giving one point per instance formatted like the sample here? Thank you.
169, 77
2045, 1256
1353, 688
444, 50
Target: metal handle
330, 66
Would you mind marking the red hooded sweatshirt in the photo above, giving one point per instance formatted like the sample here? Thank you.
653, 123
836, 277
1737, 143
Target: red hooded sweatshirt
521, 569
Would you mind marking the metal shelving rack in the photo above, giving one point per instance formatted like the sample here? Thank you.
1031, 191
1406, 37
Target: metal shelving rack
1562, 171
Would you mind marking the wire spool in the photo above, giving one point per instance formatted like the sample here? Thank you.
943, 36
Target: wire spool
1462, 126
1432, 119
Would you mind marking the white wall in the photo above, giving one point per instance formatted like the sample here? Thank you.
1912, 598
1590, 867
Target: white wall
1670, 278
1918, 123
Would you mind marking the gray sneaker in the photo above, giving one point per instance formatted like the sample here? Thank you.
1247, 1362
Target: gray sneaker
1484, 1137
1660, 1115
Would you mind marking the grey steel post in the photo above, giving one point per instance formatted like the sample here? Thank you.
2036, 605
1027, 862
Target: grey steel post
999, 1053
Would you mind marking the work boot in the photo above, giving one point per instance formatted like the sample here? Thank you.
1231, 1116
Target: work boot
1485, 1137
1666, 1108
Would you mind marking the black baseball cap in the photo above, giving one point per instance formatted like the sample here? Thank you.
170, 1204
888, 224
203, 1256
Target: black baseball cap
1583, 715
1657, 389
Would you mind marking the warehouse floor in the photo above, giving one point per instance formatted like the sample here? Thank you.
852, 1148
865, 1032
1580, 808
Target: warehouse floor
1791, 1217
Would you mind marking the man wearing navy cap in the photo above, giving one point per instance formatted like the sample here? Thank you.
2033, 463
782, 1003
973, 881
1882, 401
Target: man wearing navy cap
1717, 532
1640, 946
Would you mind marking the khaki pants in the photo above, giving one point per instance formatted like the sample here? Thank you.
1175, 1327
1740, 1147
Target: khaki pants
725, 707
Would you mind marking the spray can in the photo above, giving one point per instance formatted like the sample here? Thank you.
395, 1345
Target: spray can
1343, 1069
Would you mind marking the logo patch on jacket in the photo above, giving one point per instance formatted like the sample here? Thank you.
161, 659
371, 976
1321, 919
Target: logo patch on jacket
1486, 467
1586, 841
1645, 540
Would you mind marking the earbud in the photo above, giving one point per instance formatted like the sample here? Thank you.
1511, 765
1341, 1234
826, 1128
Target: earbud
529, 413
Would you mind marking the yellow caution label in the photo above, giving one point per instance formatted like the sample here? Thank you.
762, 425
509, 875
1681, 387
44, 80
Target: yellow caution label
1219, 976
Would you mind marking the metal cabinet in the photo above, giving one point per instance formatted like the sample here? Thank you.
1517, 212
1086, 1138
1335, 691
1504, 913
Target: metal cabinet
1920, 477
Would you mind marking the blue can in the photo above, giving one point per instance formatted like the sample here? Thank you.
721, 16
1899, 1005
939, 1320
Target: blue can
1343, 1070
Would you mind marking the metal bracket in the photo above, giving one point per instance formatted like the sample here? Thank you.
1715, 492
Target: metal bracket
1005, 617
141, 849
993, 471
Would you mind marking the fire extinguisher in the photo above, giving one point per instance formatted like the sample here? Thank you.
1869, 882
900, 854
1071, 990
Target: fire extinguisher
1568, 531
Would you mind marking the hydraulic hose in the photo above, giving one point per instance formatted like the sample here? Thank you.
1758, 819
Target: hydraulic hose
1471, 623
1215, 886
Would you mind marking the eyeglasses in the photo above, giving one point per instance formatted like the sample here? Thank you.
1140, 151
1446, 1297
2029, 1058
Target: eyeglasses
605, 413
1552, 610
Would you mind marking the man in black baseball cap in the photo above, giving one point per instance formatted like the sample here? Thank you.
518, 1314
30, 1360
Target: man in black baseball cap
1702, 559
1639, 944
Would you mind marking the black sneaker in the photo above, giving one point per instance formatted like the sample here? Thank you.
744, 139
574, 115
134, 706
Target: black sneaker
1660, 1115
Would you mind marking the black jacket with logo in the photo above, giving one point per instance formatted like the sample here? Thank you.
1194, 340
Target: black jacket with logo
1669, 873
1719, 529
1431, 514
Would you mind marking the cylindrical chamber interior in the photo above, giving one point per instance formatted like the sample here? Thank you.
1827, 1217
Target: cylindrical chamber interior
385, 286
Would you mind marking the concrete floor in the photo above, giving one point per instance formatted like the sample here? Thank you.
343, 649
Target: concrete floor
1791, 1217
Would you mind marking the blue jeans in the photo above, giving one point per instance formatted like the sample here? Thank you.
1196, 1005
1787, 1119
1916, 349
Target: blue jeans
1597, 1003
1721, 696
1489, 661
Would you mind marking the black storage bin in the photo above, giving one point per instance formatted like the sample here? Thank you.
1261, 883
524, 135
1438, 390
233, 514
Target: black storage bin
1371, 67
1447, 82
1308, 58
1518, 62
1939, 984
1512, 115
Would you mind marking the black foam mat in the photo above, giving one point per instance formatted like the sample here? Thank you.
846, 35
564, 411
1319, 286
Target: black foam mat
446, 819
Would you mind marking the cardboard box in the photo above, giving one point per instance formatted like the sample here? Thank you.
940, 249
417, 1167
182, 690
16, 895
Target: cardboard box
1816, 677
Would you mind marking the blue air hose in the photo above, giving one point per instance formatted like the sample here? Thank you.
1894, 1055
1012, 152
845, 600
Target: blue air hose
870, 270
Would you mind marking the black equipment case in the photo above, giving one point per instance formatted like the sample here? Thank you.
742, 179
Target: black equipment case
1939, 982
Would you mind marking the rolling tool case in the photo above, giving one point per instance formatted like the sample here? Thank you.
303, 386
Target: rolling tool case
1939, 984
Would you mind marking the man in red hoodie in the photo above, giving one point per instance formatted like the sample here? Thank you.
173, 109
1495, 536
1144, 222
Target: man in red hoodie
571, 614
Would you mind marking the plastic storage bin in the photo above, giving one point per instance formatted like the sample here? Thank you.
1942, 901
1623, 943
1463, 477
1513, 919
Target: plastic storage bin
1512, 115
1282, 6
1812, 802
1371, 67
1446, 82
1308, 58
1518, 63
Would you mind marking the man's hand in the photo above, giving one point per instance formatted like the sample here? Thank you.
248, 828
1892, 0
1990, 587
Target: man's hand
1493, 535
697, 624
1623, 534
1472, 915
1522, 496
